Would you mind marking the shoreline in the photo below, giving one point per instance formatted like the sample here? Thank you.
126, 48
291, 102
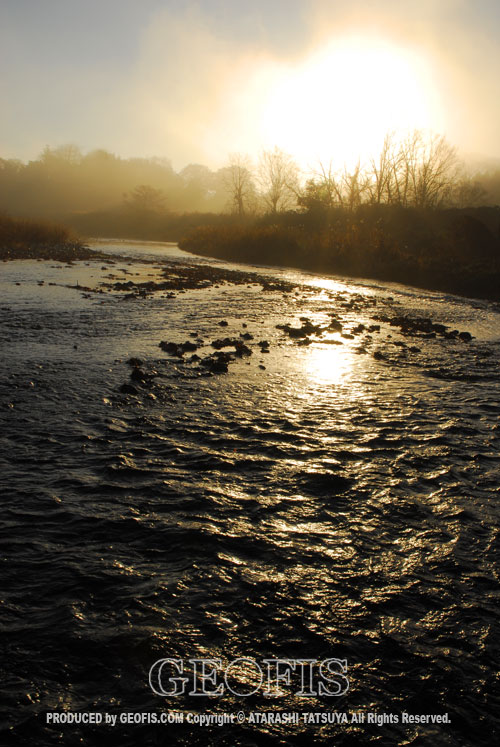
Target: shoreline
483, 286
77, 251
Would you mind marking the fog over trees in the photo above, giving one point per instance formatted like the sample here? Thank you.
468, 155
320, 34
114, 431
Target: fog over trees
63, 180
101, 193
411, 214
420, 170
417, 172
239, 184
278, 179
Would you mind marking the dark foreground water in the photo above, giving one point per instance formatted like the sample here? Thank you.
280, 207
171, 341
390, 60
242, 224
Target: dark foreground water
335, 497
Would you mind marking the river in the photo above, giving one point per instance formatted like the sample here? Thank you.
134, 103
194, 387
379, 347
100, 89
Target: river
332, 496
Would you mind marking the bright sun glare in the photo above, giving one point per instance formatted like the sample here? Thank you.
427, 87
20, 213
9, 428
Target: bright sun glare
340, 102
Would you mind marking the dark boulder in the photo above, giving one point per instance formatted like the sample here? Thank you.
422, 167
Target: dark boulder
128, 389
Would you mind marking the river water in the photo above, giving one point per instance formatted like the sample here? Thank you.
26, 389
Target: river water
333, 495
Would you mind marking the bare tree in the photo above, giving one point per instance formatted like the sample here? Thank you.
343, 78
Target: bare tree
425, 170
278, 178
238, 182
382, 182
328, 185
435, 171
420, 171
354, 185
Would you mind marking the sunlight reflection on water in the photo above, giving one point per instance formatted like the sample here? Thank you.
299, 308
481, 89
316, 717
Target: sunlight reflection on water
331, 364
317, 498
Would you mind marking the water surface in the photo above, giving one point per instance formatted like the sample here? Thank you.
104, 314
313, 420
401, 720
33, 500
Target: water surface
331, 499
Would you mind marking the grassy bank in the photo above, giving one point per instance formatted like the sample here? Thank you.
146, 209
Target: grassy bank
30, 239
448, 250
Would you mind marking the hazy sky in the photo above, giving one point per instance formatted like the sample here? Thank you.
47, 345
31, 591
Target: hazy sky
194, 81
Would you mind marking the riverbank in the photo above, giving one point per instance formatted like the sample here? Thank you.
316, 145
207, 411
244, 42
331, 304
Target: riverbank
451, 251
31, 239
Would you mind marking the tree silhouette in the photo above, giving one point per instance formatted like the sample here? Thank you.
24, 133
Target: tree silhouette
146, 199
278, 177
238, 182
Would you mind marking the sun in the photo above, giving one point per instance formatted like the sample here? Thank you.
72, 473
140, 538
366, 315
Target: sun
338, 104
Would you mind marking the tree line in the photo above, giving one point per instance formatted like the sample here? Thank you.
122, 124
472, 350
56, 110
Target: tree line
418, 171
410, 214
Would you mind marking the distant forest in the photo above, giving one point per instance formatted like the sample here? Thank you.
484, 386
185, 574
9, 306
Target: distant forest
99, 192
412, 214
